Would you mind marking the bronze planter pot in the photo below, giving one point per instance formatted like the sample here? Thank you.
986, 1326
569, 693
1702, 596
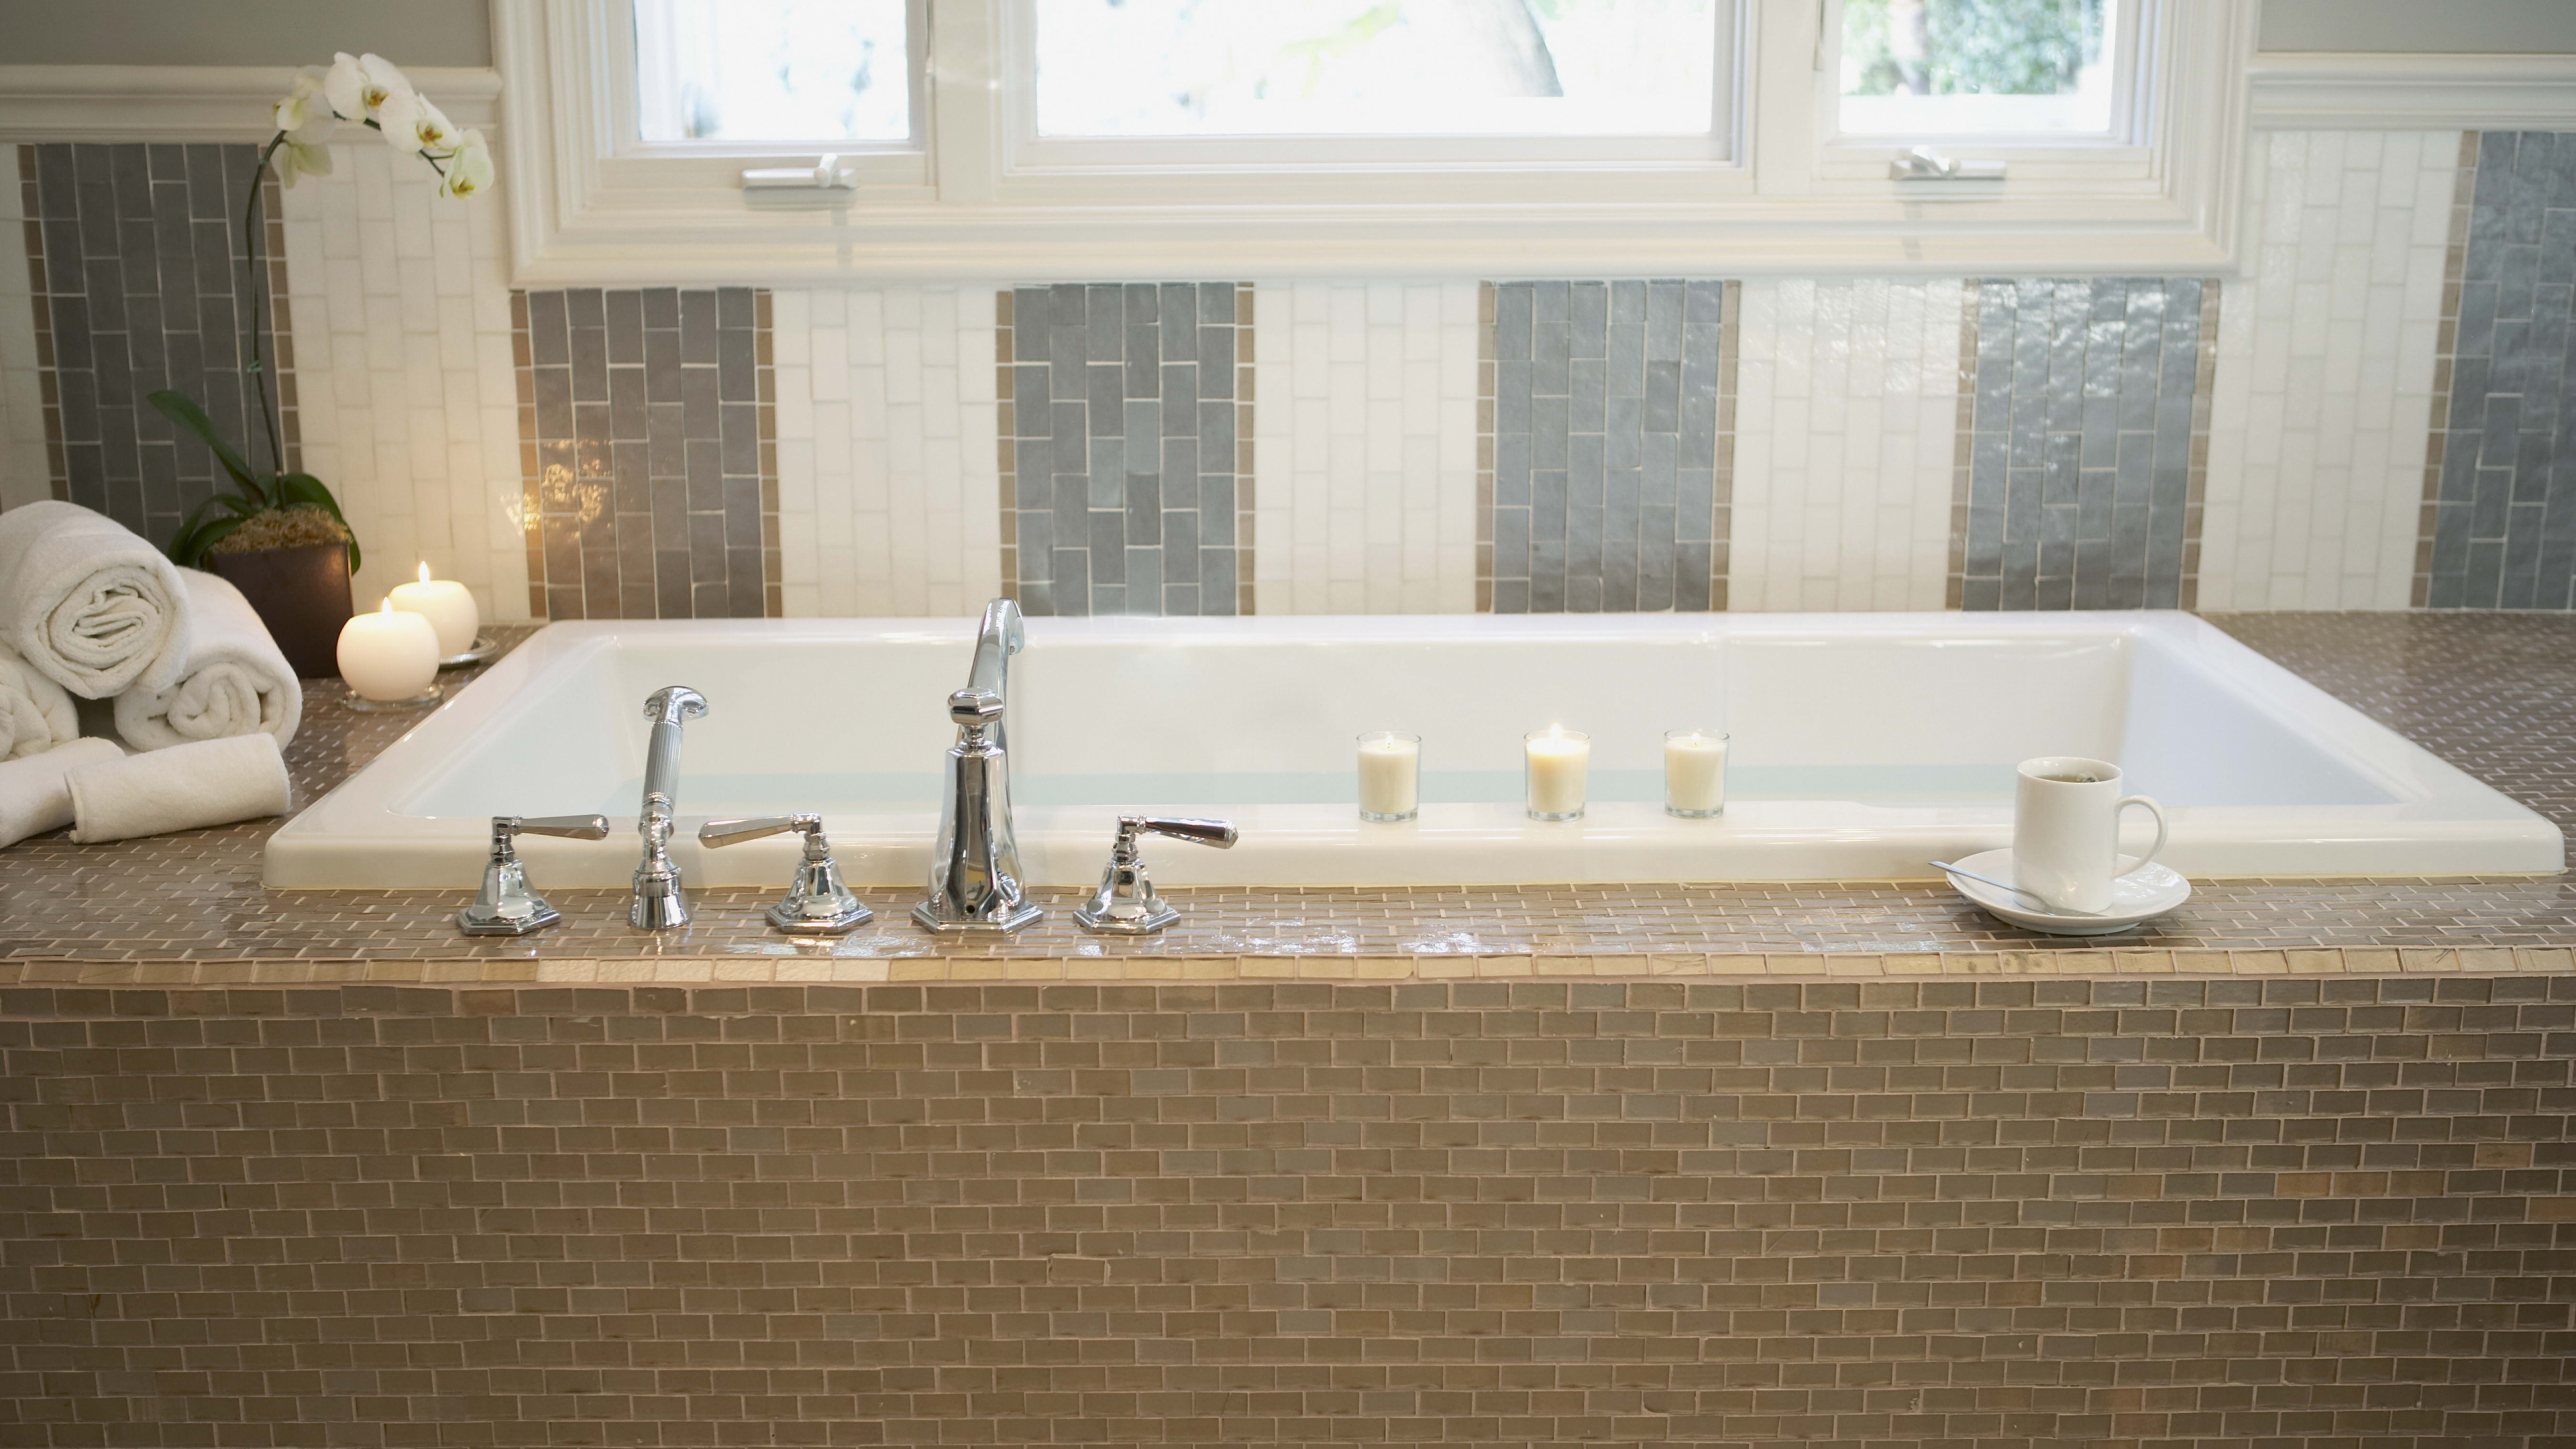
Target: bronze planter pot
300, 593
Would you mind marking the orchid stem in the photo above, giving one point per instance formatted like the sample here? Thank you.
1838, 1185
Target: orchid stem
253, 221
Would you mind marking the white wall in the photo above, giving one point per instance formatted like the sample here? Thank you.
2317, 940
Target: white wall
403, 374
2453, 27
2324, 387
244, 32
1846, 422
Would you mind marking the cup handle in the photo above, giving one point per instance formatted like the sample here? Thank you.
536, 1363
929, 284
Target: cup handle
2154, 809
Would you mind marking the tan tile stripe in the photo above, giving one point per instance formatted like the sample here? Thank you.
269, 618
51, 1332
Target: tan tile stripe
1723, 532
2464, 190
1486, 387
1778, 965
2197, 481
1954, 590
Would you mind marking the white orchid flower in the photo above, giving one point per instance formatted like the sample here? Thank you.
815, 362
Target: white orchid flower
361, 87
305, 112
469, 169
431, 131
297, 158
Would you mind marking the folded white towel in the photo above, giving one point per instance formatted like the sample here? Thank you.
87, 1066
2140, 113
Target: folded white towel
236, 681
209, 782
34, 797
92, 606
35, 714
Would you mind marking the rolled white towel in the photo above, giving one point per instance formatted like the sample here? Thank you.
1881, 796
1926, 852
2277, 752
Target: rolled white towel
236, 682
209, 782
35, 714
87, 602
34, 797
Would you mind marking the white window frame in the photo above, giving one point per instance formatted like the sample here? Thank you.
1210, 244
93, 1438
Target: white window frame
984, 197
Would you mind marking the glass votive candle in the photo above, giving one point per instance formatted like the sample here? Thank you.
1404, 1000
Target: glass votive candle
1390, 776
1695, 773
1554, 763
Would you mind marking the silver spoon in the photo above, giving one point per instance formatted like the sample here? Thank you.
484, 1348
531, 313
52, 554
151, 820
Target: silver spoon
2044, 905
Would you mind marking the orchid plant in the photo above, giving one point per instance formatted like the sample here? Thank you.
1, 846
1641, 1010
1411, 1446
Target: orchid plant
363, 90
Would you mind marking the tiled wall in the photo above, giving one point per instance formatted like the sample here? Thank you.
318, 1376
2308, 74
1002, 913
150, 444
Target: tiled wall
135, 265
2087, 430
2325, 378
1845, 437
1365, 457
24, 474
1609, 485
887, 469
2504, 499
648, 452
401, 306
1361, 444
1124, 477
1988, 1214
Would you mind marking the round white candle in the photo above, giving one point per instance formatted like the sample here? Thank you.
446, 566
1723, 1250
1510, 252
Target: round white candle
389, 654
1557, 761
1694, 772
1390, 775
448, 607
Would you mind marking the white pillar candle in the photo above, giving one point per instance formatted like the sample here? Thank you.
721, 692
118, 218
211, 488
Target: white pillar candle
389, 654
1694, 773
448, 607
1557, 760
1390, 776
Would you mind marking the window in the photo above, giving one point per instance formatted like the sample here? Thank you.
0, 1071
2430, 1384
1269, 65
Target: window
1922, 68
1377, 67
1126, 138
772, 70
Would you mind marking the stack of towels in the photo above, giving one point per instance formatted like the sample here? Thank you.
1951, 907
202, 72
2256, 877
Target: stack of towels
201, 693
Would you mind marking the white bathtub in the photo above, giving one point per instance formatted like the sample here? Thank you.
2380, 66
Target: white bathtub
1864, 746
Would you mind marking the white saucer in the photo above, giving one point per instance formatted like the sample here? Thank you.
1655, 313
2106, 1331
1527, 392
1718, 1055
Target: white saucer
2141, 895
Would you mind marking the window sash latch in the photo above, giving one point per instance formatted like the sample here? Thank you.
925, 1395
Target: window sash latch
1925, 164
826, 174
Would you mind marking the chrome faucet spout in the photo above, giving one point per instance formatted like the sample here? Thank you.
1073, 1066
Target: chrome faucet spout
660, 902
975, 864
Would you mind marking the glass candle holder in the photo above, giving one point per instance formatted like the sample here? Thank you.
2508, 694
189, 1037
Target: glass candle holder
1554, 763
1695, 773
1390, 776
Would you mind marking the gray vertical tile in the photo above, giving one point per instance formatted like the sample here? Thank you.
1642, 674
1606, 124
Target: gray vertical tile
2504, 500
2080, 442
1605, 395
1122, 441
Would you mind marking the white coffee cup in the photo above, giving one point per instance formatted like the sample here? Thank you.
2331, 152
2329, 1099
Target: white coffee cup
2066, 830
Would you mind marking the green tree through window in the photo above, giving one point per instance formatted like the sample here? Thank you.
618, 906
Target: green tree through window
1969, 47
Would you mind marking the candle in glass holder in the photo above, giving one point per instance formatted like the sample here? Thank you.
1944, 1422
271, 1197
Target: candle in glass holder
1695, 773
1556, 760
447, 606
388, 655
1390, 776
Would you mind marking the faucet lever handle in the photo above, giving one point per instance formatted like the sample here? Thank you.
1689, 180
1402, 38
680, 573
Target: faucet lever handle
717, 834
1219, 833
818, 902
974, 707
568, 827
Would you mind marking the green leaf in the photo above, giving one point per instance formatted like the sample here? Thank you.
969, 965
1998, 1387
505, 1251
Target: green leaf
183, 410
188, 550
305, 488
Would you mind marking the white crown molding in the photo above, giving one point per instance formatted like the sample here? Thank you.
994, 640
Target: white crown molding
2352, 90
175, 103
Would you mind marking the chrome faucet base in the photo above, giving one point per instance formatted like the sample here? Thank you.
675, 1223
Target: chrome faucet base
660, 904
508, 905
1018, 917
817, 902
1126, 903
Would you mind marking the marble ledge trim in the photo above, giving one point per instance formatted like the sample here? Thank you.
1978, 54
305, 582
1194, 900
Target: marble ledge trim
786, 969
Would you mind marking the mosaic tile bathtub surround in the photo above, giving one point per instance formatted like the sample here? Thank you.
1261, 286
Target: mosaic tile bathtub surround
134, 258
649, 458
2500, 493
1606, 446
1126, 439
1936, 1215
2086, 436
